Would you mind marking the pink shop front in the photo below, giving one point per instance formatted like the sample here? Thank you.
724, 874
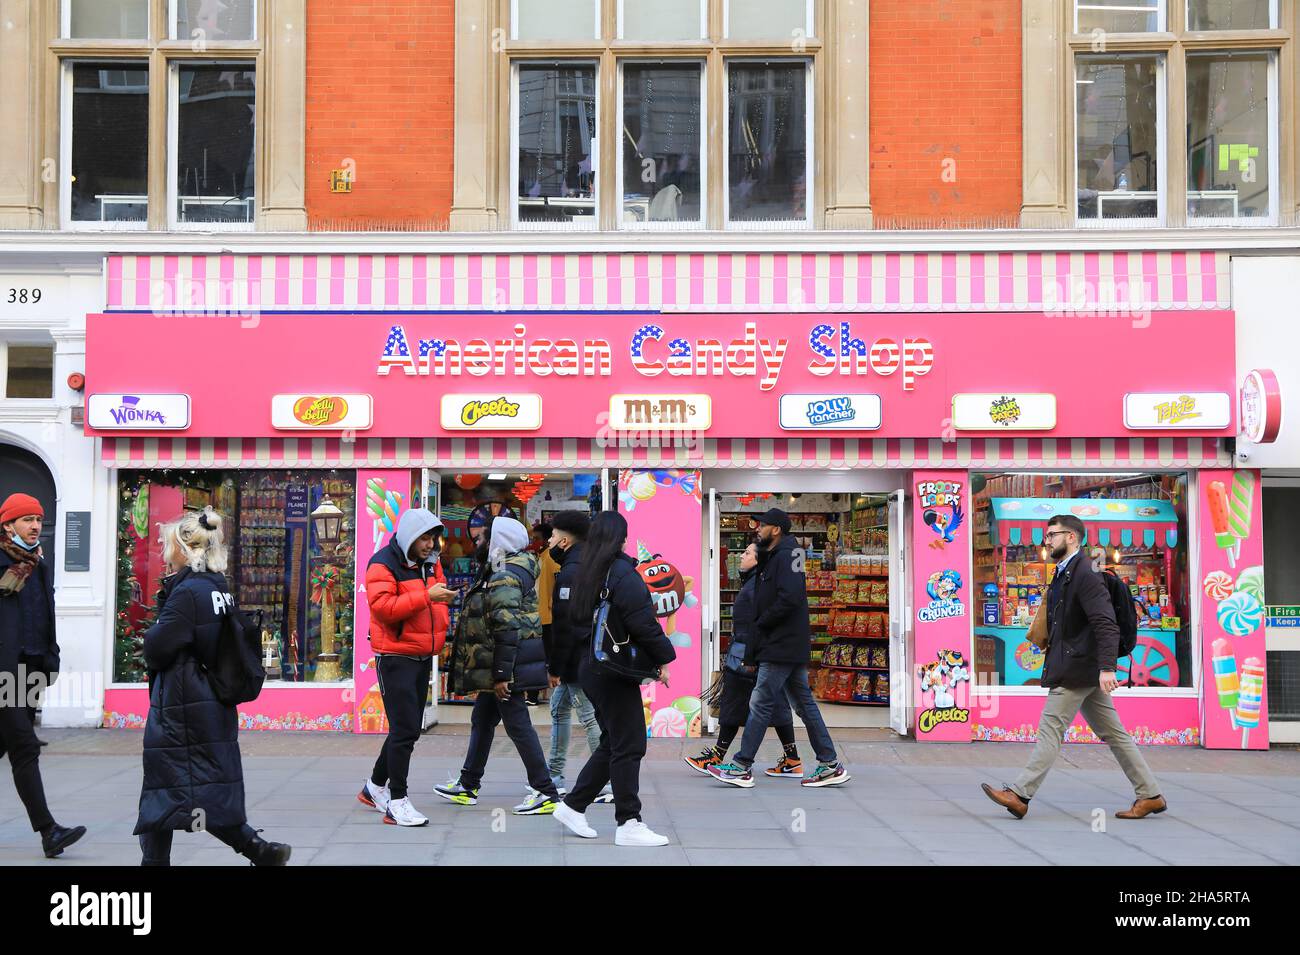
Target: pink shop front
922, 429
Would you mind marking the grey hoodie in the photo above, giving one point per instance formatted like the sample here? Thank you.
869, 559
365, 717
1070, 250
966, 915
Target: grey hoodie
412, 525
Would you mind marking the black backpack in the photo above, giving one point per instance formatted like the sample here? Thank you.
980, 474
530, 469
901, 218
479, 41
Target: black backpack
236, 673
1125, 613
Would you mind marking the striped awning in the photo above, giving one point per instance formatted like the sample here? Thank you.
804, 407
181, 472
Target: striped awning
585, 453
1063, 282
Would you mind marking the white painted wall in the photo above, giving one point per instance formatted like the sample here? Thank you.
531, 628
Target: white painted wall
83, 601
1266, 297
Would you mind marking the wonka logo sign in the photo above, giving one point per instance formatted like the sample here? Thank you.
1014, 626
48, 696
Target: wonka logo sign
138, 412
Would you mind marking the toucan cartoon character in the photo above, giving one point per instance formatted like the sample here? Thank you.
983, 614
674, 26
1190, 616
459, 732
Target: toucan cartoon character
945, 525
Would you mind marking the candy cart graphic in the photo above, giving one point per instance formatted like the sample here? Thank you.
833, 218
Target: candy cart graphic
941, 677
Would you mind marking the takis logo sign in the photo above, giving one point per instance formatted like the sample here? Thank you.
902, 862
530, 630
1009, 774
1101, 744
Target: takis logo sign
941, 678
1181, 409
943, 588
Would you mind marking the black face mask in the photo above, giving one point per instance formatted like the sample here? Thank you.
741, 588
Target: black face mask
557, 554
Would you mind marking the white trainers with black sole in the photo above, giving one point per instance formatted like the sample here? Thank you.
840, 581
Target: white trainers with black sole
402, 813
376, 797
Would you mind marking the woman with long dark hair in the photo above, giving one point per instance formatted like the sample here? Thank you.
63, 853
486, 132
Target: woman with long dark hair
606, 568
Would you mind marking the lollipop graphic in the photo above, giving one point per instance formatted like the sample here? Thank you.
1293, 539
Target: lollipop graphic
1250, 698
384, 506
1240, 504
1225, 676
1216, 496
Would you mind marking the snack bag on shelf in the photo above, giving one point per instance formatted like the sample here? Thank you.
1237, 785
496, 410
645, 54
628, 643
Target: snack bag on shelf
880, 592
863, 687
882, 686
862, 656
876, 625
879, 657
860, 625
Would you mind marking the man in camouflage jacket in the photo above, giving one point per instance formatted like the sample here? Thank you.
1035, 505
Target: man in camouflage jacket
499, 654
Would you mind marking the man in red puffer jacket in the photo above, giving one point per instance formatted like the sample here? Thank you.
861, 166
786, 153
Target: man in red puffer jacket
408, 596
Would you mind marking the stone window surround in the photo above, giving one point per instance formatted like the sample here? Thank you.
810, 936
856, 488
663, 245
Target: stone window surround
1048, 147
32, 54
483, 193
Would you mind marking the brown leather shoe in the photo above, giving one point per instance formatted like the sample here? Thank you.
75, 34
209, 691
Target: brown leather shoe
1007, 799
1142, 808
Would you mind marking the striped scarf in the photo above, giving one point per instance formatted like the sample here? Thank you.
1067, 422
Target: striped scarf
24, 562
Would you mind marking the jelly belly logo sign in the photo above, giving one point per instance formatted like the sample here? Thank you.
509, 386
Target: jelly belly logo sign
1003, 412
322, 412
940, 677
491, 412
660, 412
654, 350
138, 412
830, 412
1170, 410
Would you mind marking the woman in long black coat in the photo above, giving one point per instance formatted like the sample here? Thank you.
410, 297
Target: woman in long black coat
193, 778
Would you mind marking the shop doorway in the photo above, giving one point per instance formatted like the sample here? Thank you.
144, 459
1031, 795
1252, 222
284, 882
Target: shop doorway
25, 473
851, 530
467, 502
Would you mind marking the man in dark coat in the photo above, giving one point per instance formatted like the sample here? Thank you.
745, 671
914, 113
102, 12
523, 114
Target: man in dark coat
1083, 640
566, 641
29, 659
193, 776
781, 646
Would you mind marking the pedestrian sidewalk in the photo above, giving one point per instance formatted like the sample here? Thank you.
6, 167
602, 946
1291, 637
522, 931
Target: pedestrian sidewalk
907, 804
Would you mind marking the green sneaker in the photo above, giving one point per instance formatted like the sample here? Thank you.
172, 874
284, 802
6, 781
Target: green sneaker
733, 774
453, 791
827, 774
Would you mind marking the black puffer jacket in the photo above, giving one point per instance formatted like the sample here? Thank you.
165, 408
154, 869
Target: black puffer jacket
742, 623
630, 599
1084, 638
192, 771
568, 636
35, 602
781, 630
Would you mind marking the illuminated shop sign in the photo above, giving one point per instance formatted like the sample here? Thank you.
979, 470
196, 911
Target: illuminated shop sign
322, 412
1177, 409
492, 411
122, 412
1004, 411
830, 412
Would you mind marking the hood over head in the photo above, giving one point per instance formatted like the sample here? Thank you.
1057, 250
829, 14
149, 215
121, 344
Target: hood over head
509, 536
412, 525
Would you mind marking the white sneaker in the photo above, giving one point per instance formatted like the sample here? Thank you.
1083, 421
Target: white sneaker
634, 832
402, 813
576, 822
376, 797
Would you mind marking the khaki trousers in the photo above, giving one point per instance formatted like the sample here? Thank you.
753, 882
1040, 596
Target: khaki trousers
1099, 710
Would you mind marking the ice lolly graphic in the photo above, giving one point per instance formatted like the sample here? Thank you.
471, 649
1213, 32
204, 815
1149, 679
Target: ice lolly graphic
1225, 675
1251, 696
1240, 505
1216, 495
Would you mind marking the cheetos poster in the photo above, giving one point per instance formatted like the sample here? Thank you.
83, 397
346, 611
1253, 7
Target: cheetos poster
664, 521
